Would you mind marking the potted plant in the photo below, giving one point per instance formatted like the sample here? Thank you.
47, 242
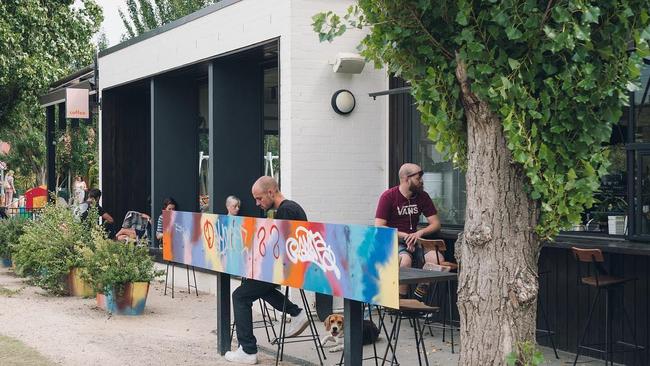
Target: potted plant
51, 248
120, 273
10, 231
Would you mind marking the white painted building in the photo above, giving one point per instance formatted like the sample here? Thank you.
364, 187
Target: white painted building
154, 86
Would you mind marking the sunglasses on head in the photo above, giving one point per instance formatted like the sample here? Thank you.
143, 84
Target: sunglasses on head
419, 174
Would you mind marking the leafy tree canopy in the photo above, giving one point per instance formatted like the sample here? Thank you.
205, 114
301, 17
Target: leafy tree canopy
144, 15
41, 41
556, 73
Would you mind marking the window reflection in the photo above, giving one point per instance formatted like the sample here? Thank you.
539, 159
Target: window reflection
443, 183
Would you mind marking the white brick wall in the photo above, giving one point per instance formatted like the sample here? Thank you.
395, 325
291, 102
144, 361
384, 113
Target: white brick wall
335, 166
337, 163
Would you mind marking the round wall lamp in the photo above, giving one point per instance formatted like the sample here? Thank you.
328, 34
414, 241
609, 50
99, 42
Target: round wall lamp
343, 101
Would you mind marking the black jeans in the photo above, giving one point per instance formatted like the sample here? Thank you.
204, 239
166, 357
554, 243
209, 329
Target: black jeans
242, 300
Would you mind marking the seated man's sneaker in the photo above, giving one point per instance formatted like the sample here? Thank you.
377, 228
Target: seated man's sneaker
298, 324
239, 356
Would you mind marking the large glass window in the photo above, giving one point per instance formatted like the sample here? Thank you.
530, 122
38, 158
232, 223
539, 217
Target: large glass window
639, 155
445, 185
271, 122
410, 143
204, 146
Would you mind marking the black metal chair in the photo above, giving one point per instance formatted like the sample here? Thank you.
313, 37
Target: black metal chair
374, 344
598, 279
281, 340
413, 310
266, 322
546, 332
189, 287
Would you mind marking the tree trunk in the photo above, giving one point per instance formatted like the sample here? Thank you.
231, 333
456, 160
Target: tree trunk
498, 250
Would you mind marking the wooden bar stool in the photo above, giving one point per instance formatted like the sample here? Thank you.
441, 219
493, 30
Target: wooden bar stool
440, 247
597, 278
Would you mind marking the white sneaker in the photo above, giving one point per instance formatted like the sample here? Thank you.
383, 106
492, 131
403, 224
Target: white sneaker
298, 324
239, 356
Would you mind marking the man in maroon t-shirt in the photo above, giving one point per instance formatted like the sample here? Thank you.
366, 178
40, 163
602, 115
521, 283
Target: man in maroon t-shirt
400, 207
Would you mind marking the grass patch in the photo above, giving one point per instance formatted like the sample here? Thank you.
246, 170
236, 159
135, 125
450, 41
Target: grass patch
9, 292
15, 353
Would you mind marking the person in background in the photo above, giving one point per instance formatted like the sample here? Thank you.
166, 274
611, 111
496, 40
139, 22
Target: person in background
79, 189
233, 204
267, 195
94, 195
169, 204
400, 207
10, 189
136, 225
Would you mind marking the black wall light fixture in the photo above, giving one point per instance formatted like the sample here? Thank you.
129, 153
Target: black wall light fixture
343, 102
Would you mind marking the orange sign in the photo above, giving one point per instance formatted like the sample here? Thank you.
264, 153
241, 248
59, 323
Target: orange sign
76, 103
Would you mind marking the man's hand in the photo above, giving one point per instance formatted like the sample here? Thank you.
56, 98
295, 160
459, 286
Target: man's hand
411, 240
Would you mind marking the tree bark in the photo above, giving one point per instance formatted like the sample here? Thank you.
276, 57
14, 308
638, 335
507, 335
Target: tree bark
498, 250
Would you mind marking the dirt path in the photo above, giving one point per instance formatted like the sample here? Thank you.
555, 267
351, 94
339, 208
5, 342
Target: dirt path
73, 331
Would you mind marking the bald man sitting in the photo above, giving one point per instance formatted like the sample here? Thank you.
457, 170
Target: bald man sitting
400, 207
267, 196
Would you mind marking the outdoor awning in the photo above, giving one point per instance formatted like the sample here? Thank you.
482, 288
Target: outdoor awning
80, 79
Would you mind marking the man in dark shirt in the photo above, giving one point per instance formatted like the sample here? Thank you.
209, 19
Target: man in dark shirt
94, 196
400, 207
267, 196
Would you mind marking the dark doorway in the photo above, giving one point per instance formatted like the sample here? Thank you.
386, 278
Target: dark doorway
126, 150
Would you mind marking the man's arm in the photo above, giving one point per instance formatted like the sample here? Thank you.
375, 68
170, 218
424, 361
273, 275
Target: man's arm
383, 222
434, 225
108, 218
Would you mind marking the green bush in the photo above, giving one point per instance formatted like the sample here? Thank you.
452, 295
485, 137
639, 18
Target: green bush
52, 245
113, 263
526, 354
10, 231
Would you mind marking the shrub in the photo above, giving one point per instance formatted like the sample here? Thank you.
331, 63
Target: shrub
51, 246
10, 231
526, 354
113, 263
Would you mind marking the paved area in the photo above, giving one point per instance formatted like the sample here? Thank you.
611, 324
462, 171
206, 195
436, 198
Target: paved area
47, 330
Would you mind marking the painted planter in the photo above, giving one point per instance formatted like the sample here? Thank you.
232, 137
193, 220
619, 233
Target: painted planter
77, 286
5, 262
130, 301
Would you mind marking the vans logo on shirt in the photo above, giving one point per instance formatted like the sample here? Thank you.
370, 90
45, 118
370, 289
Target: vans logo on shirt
408, 210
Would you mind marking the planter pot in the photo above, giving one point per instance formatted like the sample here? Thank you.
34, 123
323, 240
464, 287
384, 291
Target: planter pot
130, 301
77, 286
5, 262
616, 225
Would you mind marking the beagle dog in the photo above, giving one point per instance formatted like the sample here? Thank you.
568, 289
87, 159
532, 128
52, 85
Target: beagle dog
334, 328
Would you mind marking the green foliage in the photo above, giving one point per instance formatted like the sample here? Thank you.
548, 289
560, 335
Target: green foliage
526, 354
10, 231
144, 15
41, 41
52, 245
113, 263
556, 73
77, 151
25, 133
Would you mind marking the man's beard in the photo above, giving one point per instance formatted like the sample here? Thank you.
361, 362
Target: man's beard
414, 188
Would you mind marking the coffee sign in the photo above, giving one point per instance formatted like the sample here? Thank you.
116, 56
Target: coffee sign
76, 103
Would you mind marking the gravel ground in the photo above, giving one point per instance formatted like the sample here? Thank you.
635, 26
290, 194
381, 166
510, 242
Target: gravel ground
73, 331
